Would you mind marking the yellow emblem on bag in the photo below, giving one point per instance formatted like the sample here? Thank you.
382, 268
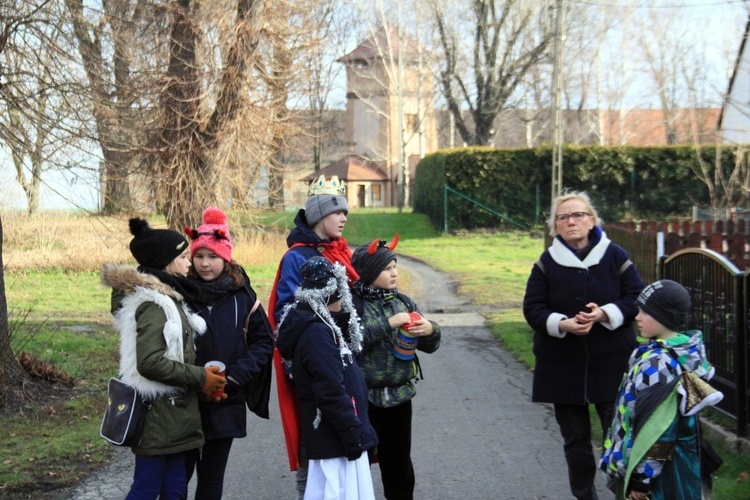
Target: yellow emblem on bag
121, 408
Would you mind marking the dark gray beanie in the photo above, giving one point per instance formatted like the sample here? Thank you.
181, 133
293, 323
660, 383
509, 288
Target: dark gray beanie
155, 248
667, 302
370, 265
318, 206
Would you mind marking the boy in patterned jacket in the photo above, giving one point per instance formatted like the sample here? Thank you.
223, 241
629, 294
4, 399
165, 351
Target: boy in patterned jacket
393, 330
652, 449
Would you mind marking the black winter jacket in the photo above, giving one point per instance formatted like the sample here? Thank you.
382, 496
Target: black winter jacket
573, 369
328, 385
245, 360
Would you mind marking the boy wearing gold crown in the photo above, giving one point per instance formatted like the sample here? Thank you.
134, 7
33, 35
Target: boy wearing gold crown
318, 231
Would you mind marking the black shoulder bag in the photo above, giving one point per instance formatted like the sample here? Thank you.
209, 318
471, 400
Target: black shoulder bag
124, 415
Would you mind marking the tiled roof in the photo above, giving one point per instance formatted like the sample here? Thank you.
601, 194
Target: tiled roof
377, 46
351, 168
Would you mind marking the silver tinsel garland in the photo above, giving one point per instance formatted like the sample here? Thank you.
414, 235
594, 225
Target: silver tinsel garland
317, 298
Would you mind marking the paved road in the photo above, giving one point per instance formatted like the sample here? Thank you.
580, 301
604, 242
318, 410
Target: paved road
476, 434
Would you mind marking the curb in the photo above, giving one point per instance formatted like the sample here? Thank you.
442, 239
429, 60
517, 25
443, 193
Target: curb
727, 438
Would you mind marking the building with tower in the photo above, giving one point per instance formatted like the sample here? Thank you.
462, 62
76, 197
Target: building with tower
390, 116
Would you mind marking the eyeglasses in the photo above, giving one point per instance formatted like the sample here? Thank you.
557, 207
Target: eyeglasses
575, 216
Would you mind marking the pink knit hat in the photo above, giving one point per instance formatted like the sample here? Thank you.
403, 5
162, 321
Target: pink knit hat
213, 234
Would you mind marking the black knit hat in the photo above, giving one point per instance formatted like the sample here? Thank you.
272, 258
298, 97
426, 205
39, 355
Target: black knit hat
371, 259
317, 274
155, 248
667, 302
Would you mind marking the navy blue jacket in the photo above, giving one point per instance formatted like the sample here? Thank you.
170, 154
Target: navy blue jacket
289, 278
309, 245
328, 382
575, 369
246, 359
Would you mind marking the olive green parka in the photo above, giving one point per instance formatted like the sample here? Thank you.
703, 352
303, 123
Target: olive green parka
156, 357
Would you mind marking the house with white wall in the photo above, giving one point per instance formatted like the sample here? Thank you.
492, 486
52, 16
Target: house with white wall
734, 123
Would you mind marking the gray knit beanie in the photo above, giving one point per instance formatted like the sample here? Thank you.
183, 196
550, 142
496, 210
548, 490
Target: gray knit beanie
324, 197
318, 206
667, 302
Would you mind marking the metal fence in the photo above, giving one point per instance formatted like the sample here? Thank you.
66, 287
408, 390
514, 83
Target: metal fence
720, 294
640, 245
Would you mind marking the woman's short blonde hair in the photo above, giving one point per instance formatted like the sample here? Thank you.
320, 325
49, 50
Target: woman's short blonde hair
567, 196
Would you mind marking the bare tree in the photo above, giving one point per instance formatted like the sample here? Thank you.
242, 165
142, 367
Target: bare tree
187, 136
25, 138
296, 63
332, 27
665, 49
11, 376
391, 77
15, 17
106, 42
39, 123
283, 38
509, 38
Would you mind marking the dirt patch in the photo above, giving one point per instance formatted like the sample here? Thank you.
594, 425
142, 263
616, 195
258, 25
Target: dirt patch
41, 388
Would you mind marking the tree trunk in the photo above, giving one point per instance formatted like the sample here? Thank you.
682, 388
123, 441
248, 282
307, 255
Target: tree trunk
116, 185
108, 114
11, 375
508, 41
186, 175
276, 177
32, 196
279, 93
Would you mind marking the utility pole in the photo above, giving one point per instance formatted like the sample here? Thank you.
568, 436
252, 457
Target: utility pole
557, 125
400, 106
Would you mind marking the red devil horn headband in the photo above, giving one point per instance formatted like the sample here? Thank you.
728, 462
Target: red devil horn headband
381, 243
392, 245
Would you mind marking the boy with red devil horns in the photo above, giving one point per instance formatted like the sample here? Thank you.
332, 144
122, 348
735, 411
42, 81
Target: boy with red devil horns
394, 330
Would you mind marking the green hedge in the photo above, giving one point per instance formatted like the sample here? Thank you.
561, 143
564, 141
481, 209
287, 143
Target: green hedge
623, 182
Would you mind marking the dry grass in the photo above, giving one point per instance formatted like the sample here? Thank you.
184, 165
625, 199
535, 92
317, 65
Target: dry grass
82, 242
253, 248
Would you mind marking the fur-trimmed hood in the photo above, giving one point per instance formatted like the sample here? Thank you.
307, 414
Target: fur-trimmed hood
125, 279
131, 289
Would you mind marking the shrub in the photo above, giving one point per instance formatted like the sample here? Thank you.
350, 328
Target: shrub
624, 182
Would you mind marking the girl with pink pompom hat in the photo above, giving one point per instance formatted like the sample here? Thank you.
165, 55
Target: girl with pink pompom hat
238, 335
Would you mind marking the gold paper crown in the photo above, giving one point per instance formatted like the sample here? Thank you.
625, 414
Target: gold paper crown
333, 186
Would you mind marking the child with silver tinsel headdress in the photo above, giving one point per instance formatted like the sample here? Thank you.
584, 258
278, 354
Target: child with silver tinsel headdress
321, 334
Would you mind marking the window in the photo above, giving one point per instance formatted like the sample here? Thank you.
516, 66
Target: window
412, 123
376, 196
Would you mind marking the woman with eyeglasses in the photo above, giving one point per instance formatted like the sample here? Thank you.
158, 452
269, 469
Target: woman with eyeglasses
580, 302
